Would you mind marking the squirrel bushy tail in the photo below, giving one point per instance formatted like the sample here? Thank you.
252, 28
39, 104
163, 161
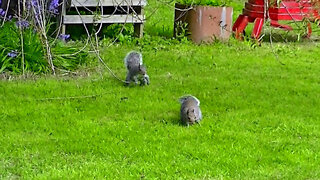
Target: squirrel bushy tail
132, 59
134, 64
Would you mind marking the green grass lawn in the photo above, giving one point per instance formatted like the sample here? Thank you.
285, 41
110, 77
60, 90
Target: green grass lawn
261, 115
261, 118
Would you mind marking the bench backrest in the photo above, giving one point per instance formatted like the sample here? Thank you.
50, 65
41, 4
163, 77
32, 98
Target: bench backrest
94, 3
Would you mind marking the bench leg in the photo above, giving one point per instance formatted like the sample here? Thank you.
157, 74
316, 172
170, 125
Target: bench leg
138, 30
61, 26
65, 4
63, 29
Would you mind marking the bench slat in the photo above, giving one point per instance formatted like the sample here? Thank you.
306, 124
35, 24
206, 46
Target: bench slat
94, 3
88, 19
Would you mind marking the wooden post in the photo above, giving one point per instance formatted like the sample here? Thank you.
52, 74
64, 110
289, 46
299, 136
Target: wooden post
138, 27
61, 27
63, 12
138, 30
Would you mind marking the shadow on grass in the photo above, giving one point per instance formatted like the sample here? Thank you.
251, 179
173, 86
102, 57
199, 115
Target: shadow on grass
283, 36
172, 118
286, 37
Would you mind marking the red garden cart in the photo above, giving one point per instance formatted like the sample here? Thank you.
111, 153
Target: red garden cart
257, 11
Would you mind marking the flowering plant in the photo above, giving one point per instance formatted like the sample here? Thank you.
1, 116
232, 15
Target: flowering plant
25, 42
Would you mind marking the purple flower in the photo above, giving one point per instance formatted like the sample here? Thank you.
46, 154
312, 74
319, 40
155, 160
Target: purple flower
53, 7
28, 5
34, 3
2, 12
64, 36
13, 54
22, 24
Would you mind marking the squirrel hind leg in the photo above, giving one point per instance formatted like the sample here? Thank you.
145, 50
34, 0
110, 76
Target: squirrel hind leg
126, 83
146, 79
135, 80
128, 78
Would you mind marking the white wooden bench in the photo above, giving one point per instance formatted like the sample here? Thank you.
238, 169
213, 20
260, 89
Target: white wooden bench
114, 11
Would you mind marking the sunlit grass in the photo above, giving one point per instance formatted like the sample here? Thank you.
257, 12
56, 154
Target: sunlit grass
260, 113
261, 118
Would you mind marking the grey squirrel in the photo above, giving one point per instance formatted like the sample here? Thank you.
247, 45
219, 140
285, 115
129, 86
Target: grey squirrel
190, 111
135, 67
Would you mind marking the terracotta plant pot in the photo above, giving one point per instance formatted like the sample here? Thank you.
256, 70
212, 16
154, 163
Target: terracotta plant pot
204, 23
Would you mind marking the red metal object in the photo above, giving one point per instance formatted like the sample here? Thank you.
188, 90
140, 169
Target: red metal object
290, 10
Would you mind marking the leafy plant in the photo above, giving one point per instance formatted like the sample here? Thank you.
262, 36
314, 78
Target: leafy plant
64, 56
181, 31
68, 57
121, 32
4, 61
34, 58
